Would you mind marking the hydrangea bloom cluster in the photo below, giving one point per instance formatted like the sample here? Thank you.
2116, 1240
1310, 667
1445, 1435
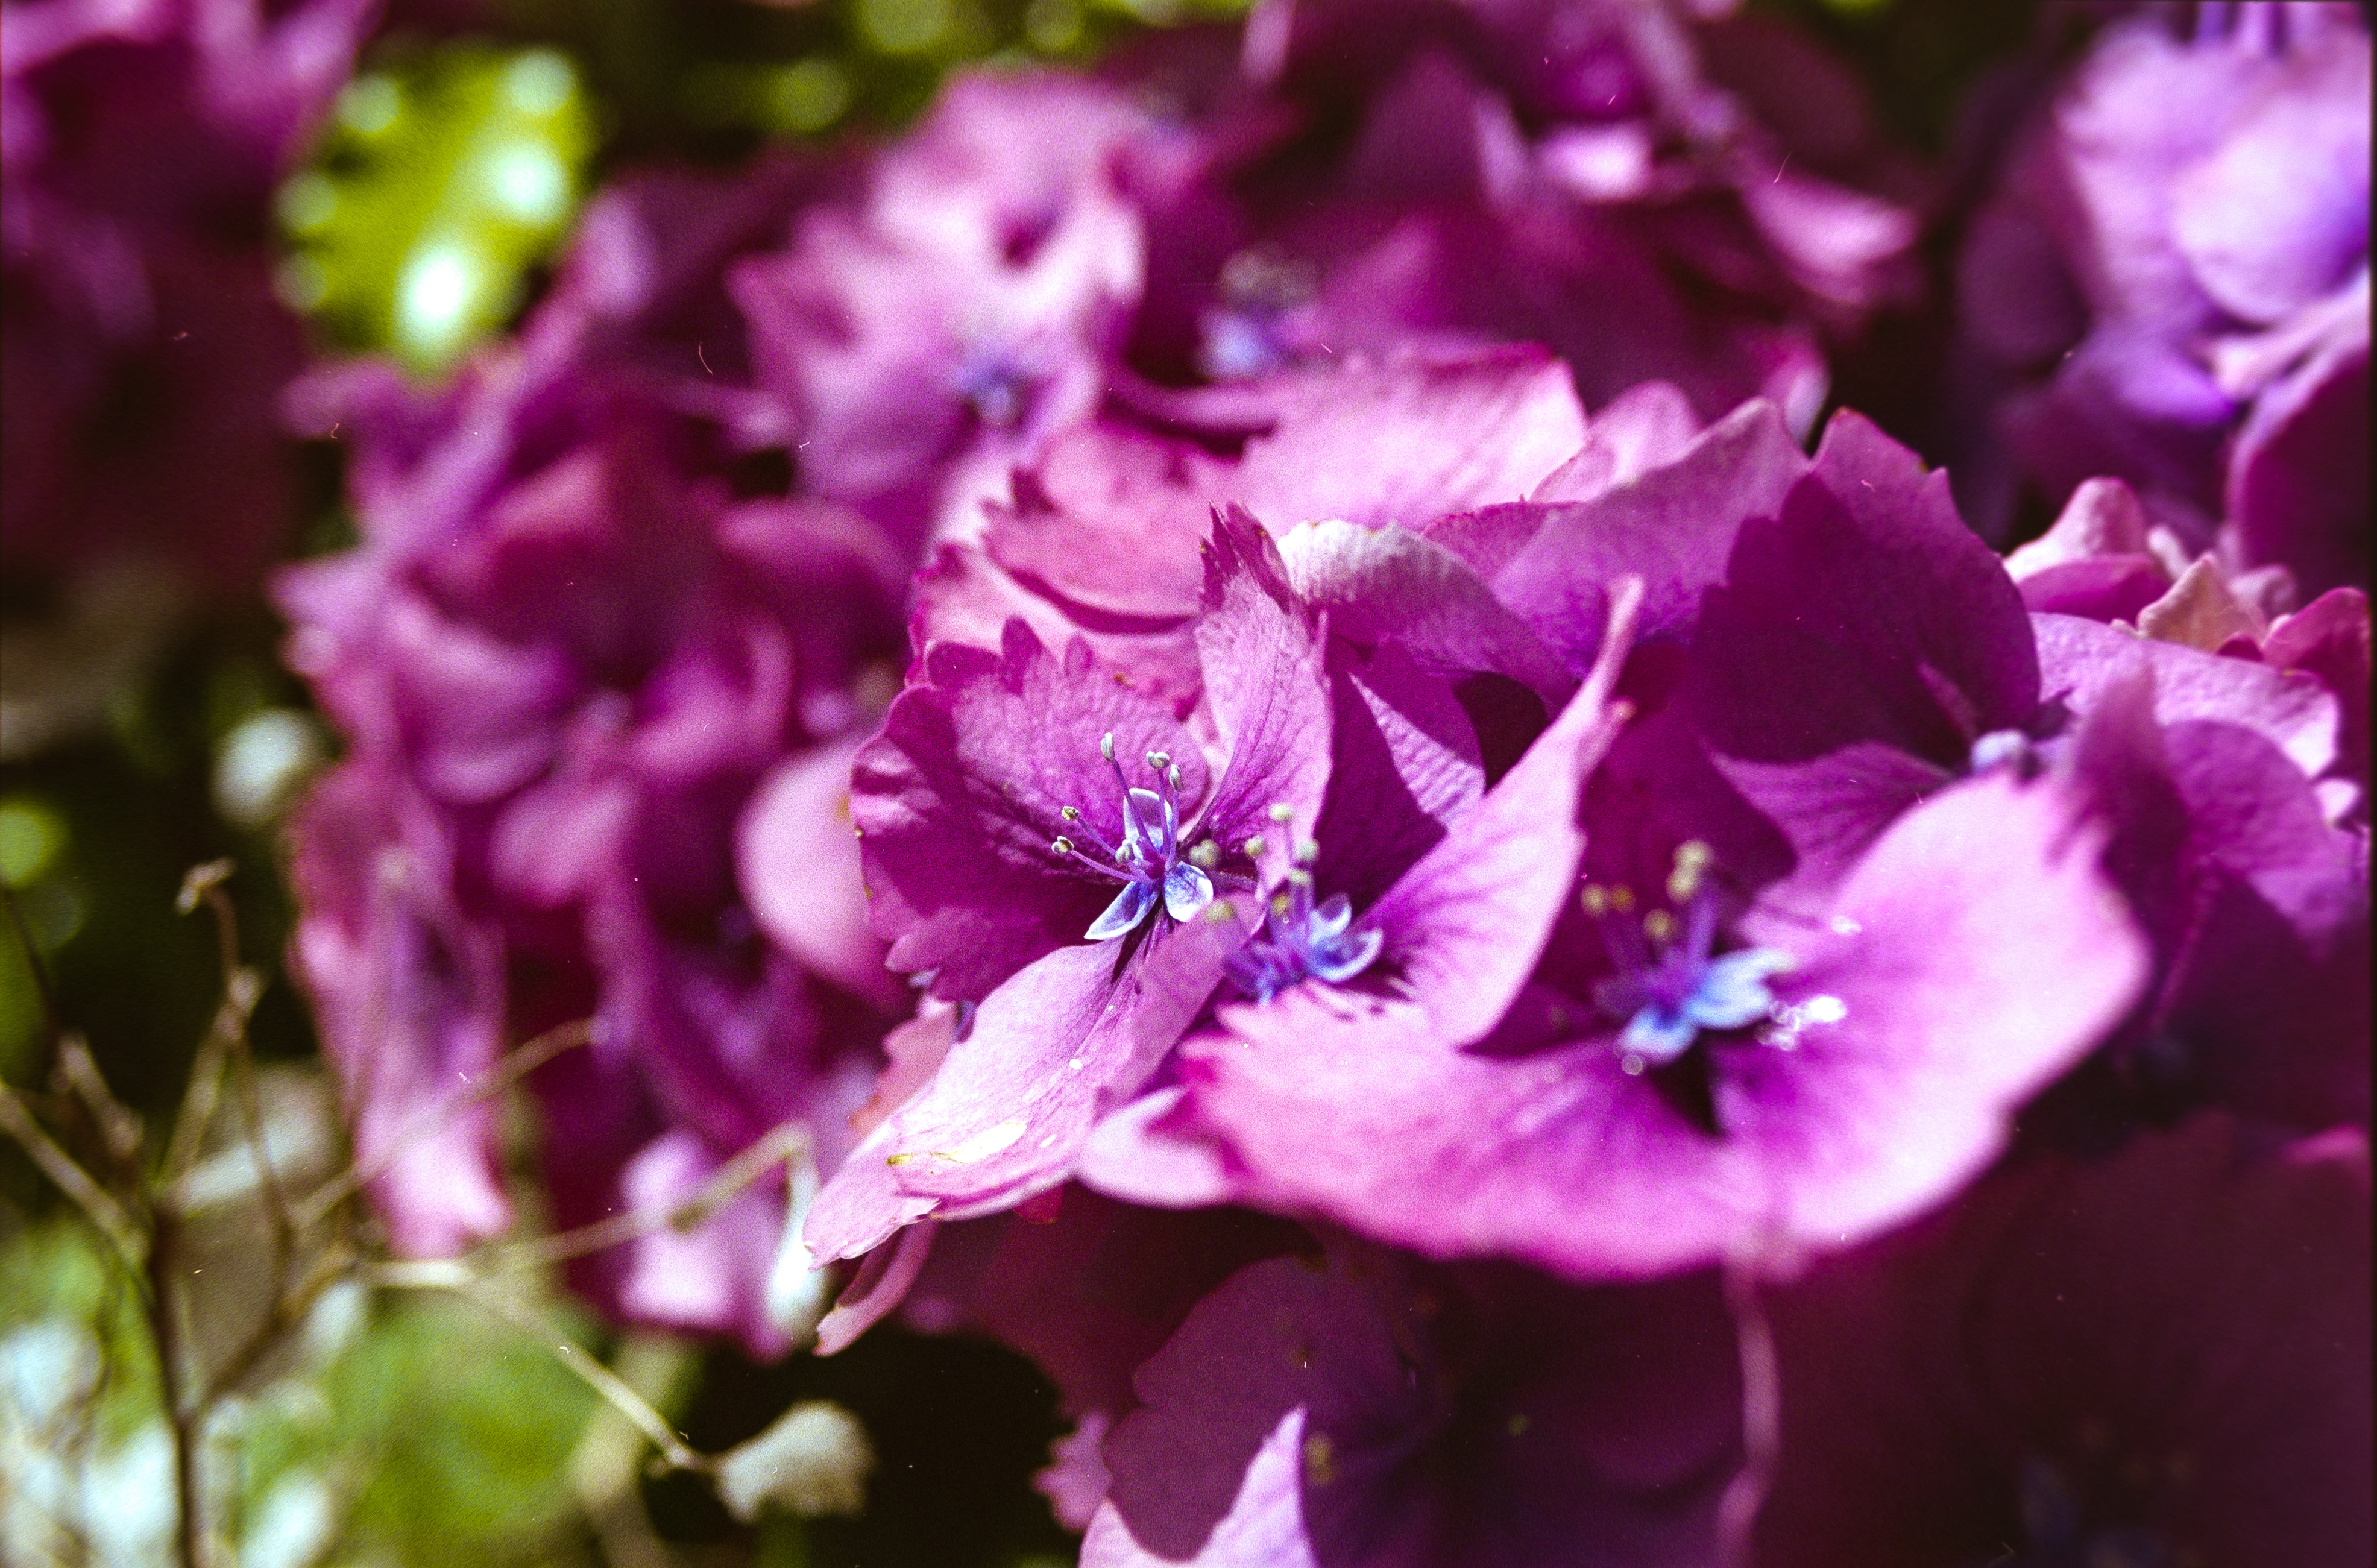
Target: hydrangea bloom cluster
600, 675
2170, 283
145, 466
1252, 694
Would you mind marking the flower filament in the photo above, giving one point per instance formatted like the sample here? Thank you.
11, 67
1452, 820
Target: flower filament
1150, 862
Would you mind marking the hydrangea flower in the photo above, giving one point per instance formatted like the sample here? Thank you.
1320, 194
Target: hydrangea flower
1864, 653
923, 339
1681, 1052
1461, 172
587, 654
995, 777
2170, 282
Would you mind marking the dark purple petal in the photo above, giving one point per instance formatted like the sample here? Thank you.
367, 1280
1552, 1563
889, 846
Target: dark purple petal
1360, 1410
1866, 612
1405, 767
1673, 526
2173, 1342
2299, 479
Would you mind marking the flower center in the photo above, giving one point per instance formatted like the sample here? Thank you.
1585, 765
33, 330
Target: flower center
1300, 940
999, 385
1670, 982
1148, 862
1246, 335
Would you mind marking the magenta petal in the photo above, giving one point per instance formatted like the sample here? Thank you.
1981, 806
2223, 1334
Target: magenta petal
1359, 1410
1381, 583
1066, 1040
1647, 425
2079, 660
2298, 478
1466, 923
1865, 612
1406, 766
1410, 439
798, 865
2328, 638
879, 1287
410, 1000
1673, 526
2279, 214
1265, 683
1973, 956
2180, 1333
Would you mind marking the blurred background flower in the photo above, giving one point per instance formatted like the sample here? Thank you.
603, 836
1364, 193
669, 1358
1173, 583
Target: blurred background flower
465, 462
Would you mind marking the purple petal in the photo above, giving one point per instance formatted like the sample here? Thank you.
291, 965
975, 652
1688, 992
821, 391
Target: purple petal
1382, 583
1406, 765
1265, 682
2279, 214
1645, 427
1411, 439
2299, 478
1674, 527
959, 799
1465, 926
2185, 1296
1049, 1052
1866, 612
1972, 957
2078, 660
797, 861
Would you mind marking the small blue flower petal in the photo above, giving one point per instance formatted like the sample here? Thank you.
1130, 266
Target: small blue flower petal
1338, 958
1732, 991
1187, 891
1128, 908
1657, 1034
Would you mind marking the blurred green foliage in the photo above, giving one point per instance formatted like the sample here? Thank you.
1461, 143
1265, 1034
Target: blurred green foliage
441, 181
409, 1430
468, 1424
454, 167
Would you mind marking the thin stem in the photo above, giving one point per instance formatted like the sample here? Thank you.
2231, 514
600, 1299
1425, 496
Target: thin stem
182, 1420
288, 1308
784, 1142
104, 1211
53, 1021
509, 1071
198, 1112
242, 987
119, 1128
1761, 1417
714, 1194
